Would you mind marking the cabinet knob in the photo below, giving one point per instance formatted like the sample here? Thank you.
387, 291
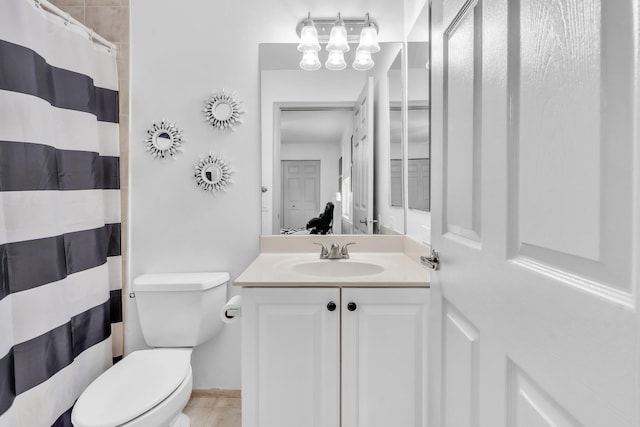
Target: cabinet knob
352, 306
331, 306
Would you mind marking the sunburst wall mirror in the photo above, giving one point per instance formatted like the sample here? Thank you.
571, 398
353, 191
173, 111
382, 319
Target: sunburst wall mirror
212, 173
223, 110
164, 140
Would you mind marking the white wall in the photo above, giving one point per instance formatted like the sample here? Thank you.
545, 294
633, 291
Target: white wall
179, 54
412, 10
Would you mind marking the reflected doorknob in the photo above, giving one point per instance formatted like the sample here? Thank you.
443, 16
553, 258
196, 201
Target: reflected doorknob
365, 220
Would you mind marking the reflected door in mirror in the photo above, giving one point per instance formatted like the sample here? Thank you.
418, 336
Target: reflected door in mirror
363, 162
301, 192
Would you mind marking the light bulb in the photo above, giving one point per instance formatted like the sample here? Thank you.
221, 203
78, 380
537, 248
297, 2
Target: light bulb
308, 37
363, 61
369, 38
335, 61
338, 37
310, 61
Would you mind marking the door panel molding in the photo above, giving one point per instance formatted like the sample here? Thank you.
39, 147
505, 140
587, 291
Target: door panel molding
529, 404
584, 239
460, 347
578, 281
462, 41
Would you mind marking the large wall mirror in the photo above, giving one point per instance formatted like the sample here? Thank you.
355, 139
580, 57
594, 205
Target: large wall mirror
418, 147
326, 145
347, 152
396, 144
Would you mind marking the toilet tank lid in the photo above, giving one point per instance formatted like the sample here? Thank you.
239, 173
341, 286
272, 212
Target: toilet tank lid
178, 282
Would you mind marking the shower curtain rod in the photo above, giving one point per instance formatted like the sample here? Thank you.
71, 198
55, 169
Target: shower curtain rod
51, 8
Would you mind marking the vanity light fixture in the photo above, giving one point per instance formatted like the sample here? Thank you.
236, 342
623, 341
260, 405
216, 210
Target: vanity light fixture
308, 36
310, 61
363, 61
338, 38
337, 33
309, 45
369, 37
335, 61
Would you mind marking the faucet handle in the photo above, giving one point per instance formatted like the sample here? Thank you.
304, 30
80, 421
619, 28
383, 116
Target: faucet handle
345, 251
324, 253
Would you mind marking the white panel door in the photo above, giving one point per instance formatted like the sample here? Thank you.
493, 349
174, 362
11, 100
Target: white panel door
384, 357
300, 192
536, 213
362, 174
290, 357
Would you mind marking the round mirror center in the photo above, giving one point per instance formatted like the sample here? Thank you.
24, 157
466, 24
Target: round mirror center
163, 140
211, 173
222, 111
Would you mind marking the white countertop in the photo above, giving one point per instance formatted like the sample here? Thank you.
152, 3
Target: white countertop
274, 269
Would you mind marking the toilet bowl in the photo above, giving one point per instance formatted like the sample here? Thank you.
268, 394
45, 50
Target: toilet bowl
149, 388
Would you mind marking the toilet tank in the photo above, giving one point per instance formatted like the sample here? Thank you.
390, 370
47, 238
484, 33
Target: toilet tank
180, 309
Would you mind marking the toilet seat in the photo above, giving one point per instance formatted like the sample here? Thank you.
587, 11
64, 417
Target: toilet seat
139, 383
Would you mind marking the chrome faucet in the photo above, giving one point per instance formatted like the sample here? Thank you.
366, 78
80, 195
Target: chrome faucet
345, 252
334, 252
324, 253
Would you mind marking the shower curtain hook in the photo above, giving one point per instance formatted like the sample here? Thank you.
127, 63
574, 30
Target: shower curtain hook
91, 34
38, 5
67, 19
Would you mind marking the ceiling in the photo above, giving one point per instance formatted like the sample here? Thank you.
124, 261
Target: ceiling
314, 127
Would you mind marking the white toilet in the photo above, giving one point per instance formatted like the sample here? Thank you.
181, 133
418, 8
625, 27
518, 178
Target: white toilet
149, 388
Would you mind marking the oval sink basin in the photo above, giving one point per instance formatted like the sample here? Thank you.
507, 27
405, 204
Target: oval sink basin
337, 268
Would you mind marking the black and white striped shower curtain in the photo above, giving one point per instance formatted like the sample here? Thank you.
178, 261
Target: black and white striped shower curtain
60, 264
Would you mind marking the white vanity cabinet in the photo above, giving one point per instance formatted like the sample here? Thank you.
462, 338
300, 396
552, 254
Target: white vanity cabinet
361, 363
384, 357
290, 357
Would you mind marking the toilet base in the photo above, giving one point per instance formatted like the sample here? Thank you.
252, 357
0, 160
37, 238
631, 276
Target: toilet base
182, 421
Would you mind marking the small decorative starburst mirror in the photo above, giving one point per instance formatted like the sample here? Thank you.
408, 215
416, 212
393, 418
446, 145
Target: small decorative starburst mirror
223, 111
212, 173
164, 140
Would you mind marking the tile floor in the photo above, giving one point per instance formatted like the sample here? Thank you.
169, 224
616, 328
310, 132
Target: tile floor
214, 408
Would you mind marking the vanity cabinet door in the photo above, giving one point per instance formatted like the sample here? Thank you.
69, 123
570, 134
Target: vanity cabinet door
384, 357
291, 357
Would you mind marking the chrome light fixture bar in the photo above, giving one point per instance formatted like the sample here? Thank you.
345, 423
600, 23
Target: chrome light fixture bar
325, 25
337, 33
